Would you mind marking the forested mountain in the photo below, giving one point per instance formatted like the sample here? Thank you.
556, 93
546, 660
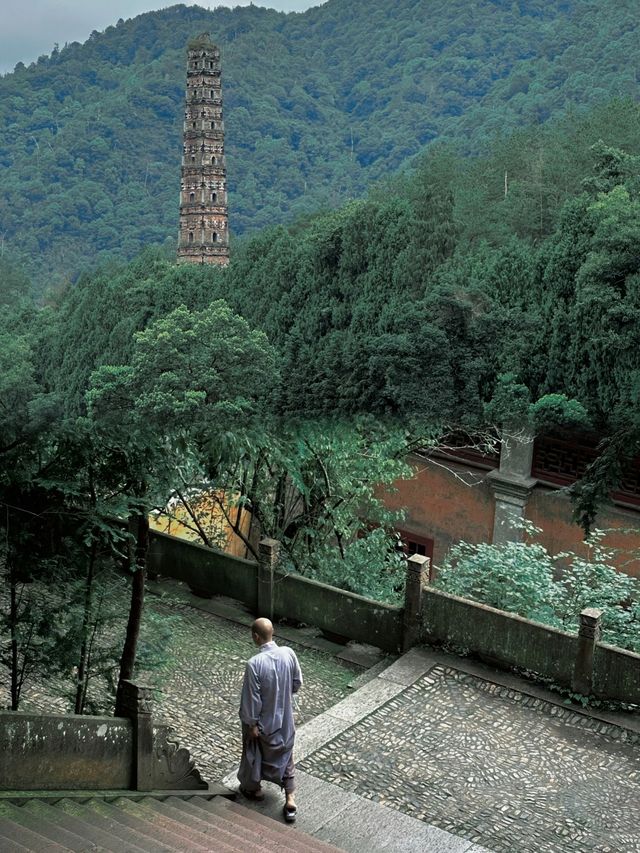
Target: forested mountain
318, 106
385, 307
300, 375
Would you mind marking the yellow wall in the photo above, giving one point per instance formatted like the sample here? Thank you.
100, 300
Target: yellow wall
177, 521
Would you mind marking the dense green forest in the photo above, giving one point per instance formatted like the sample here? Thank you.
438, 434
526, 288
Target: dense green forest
318, 106
430, 301
297, 378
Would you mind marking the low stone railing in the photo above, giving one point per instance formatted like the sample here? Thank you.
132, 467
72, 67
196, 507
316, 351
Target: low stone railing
578, 662
58, 752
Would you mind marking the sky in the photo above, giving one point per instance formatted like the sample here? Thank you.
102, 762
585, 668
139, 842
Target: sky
30, 28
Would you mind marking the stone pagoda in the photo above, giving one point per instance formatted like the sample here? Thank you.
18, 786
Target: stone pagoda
204, 235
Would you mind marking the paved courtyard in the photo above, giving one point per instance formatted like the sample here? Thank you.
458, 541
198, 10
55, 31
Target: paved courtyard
486, 763
431, 754
201, 690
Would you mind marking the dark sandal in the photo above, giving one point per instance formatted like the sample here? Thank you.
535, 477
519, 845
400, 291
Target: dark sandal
290, 814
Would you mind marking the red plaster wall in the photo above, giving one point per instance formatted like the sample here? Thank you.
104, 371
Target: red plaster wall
550, 510
439, 507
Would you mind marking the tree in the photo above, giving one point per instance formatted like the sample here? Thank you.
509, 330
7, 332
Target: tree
195, 379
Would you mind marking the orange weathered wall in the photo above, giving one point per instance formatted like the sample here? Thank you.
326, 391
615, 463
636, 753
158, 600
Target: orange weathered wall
440, 507
449, 501
550, 510
212, 519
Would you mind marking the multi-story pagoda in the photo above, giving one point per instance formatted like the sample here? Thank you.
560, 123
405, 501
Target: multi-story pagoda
204, 235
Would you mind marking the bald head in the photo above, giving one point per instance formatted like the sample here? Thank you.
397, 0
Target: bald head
262, 631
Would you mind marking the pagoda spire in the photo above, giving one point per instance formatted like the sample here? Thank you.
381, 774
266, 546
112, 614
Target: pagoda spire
204, 234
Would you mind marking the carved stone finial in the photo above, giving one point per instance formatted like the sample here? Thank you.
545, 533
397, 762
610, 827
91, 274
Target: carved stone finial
417, 563
173, 767
590, 623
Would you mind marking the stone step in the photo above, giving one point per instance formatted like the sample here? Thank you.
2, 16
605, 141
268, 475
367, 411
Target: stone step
265, 828
313, 845
262, 837
214, 827
149, 825
182, 836
36, 814
81, 820
8, 846
151, 836
183, 823
290, 838
16, 838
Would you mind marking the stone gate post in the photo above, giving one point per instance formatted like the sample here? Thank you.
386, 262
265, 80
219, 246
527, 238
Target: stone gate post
136, 704
588, 636
417, 578
512, 484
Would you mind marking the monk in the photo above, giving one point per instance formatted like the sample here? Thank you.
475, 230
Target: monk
271, 678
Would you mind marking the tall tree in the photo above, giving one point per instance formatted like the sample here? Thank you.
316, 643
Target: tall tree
195, 379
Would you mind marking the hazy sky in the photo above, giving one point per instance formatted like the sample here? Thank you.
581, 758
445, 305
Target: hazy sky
29, 28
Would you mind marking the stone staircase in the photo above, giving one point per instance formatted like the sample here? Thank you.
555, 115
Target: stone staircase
148, 824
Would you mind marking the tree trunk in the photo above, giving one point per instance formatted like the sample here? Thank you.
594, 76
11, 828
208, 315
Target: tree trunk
13, 622
83, 674
128, 659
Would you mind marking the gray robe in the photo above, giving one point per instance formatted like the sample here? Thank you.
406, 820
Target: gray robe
271, 678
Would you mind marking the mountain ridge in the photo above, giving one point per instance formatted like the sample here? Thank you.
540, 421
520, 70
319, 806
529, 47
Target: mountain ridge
318, 105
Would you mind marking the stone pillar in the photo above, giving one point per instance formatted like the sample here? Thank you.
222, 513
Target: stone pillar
136, 704
588, 636
512, 484
417, 576
268, 555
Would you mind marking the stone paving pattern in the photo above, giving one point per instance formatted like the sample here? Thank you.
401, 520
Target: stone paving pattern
494, 766
201, 694
201, 685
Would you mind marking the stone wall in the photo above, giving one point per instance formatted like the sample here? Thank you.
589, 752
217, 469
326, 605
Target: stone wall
64, 752
497, 637
616, 673
578, 662
209, 572
338, 612
206, 571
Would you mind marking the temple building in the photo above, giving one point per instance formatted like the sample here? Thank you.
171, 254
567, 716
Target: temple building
204, 234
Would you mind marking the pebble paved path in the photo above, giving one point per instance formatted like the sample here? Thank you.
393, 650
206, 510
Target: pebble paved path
200, 687
487, 763
201, 690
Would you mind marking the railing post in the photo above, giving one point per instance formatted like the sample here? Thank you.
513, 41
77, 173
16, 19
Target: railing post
588, 636
268, 554
417, 576
136, 704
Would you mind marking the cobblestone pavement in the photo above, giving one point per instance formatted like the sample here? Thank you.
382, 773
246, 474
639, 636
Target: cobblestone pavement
200, 687
493, 765
201, 691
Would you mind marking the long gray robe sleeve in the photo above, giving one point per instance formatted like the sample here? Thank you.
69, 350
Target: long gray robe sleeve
250, 701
